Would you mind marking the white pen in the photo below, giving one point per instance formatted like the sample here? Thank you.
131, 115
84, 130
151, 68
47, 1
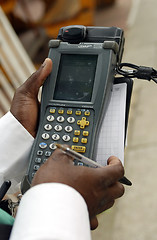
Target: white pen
86, 160
78, 156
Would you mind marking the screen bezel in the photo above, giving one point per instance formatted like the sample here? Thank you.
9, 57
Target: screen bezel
101, 72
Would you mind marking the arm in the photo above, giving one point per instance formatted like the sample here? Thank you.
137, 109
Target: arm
15, 144
18, 127
65, 197
98, 194
57, 211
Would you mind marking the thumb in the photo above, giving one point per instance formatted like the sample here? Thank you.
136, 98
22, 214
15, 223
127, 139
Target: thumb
36, 80
113, 161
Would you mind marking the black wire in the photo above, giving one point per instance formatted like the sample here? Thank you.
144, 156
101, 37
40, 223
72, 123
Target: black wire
140, 72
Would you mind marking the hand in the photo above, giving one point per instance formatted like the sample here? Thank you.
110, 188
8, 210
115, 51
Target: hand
25, 104
98, 186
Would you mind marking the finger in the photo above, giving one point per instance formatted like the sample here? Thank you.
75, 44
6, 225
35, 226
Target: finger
110, 174
113, 160
104, 206
59, 156
116, 191
93, 223
108, 197
36, 80
116, 166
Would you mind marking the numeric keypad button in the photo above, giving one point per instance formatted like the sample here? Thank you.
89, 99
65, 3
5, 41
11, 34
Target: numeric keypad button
48, 127
52, 146
45, 136
50, 118
60, 119
66, 138
55, 137
68, 129
58, 128
70, 119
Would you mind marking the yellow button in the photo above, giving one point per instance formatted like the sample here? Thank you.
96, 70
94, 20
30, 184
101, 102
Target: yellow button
83, 123
61, 111
85, 133
69, 111
75, 139
77, 132
80, 149
78, 112
52, 110
87, 113
87, 123
84, 140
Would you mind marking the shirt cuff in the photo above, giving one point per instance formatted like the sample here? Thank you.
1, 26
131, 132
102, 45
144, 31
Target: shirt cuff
52, 211
15, 145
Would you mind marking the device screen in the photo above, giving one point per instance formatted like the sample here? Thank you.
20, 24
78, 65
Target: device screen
75, 78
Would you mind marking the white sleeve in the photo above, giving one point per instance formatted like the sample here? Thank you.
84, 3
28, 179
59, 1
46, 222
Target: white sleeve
15, 145
52, 211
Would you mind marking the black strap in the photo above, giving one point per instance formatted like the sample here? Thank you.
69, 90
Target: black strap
5, 231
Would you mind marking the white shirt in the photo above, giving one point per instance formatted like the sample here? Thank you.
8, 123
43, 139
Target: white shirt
15, 145
47, 211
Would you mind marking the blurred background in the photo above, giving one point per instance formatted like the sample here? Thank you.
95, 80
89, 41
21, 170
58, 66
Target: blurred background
26, 26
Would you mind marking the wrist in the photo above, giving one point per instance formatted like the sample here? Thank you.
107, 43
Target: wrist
20, 125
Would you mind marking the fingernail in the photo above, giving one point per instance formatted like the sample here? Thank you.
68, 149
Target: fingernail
44, 63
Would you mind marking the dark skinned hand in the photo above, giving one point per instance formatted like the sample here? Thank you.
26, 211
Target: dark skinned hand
98, 186
102, 186
25, 104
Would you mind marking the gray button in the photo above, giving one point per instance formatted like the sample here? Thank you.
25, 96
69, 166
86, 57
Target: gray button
38, 160
47, 153
44, 160
70, 119
50, 118
55, 137
60, 119
58, 128
45, 136
39, 153
48, 127
66, 138
36, 167
33, 174
68, 129
52, 146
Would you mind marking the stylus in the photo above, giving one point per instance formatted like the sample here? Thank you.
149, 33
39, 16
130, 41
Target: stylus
87, 161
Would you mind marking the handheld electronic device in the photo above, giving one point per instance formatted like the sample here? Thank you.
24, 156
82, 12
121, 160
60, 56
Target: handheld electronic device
76, 94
